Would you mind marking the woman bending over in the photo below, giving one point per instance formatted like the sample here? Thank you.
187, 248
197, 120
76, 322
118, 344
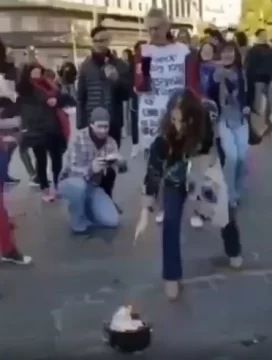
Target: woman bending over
185, 132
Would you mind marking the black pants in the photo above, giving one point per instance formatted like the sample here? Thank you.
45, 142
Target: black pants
108, 180
54, 147
134, 127
116, 133
230, 233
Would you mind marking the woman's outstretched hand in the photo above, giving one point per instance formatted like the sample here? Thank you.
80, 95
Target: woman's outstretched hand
142, 225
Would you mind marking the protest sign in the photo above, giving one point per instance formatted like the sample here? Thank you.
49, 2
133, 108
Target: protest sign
167, 75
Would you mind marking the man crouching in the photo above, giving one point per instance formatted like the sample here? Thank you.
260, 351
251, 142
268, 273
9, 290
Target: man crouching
88, 178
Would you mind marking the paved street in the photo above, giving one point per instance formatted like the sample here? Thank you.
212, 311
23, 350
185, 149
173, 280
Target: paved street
55, 309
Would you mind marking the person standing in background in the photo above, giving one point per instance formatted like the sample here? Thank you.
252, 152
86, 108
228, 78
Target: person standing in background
67, 79
8, 249
43, 124
134, 108
128, 58
228, 90
259, 73
10, 121
242, 42
184, 37
147, 80
215, 38
204, 67
103, 81
29, 54
114, 53
9, 125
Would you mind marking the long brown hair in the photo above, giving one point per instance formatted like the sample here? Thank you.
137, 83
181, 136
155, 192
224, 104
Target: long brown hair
237, 55
193, 120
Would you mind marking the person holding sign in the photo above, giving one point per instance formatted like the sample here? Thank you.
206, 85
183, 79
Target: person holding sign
184, 133
161, 68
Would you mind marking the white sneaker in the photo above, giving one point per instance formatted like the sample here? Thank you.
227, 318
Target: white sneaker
47, 196
236, 262
16, 257
134, 151
171, 290
34, 181
160, 217
124, 132
196, 222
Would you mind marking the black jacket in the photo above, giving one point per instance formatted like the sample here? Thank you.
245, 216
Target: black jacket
38, 119
171, 169
95, 90
258, 63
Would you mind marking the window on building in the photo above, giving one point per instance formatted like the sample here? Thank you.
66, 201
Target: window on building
154, 3
164, 6
177, 4
182, 3
30, 23
188, 8
56, 24
171, 9
5, 23
130, 4
119, 5
200, 7
140, 6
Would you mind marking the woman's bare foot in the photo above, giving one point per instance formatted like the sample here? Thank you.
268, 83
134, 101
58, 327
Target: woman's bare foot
171, 289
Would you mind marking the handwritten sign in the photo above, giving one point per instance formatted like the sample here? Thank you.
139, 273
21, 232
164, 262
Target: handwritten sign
167, 75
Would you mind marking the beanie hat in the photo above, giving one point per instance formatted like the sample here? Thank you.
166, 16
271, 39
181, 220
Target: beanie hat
99, 114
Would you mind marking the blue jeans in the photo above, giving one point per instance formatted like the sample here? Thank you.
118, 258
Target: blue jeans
234, 142
173, 203
88, 205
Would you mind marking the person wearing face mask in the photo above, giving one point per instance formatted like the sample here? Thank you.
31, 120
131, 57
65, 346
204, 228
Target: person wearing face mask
103, 80
88, 176
185, 132
228, 90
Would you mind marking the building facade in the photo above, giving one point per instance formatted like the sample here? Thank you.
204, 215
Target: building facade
222, 13
62, 27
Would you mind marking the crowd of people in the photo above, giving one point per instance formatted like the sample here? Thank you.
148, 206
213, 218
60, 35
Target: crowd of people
208, 111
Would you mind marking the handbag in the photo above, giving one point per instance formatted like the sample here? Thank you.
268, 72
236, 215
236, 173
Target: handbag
207, 190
